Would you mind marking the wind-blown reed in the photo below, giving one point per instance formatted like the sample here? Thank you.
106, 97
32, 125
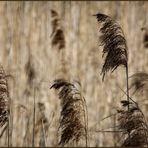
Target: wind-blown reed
131, 119
72, 114
113, 42
133, 124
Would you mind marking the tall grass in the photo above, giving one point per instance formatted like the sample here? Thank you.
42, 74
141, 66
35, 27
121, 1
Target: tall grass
115, 48
132, 122
73, 116
61, 38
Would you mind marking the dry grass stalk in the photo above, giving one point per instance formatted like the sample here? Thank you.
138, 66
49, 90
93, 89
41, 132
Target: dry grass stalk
139, 82
42, 117
57, 35
34, 115
113, 42
133, 124
42, 125
27, 137
114, 47
72, 114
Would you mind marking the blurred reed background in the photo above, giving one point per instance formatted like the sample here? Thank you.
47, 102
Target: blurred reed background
28, 55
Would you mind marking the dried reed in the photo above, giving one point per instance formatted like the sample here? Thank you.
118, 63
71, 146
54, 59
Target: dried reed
30, 71
4, 105
113, 42
139, 82
133, 124
57, 35
4, 101
114, 46
34, 114
42, 124
145, 38
72, 114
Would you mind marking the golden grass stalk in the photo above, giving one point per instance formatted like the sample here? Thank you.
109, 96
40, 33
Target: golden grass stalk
72, 114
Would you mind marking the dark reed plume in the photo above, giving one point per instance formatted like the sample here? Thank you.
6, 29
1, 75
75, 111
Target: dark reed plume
113, 42
131, 119
114, 47
4, 103
4, 98
57, 35
72, 118
30, 71
139, 82
133, 125
145, 38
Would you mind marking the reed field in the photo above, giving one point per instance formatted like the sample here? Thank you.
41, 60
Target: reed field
57, 87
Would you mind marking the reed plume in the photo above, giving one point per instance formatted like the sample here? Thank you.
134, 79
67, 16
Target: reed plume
4, 98
145, 38
57, 35
133, 125
139, 81
113, 42
72, 114
30, 71
115, 51
114, 47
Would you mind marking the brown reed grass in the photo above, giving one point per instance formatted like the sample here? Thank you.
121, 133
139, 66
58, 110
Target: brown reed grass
145, 38
139, 82
57, 35
72, 114
113, 42
114, 47
131, 119
42, 124
133, 124
4, 98
4, 103
30, 71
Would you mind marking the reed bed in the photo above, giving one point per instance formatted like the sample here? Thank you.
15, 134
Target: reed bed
56, 44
